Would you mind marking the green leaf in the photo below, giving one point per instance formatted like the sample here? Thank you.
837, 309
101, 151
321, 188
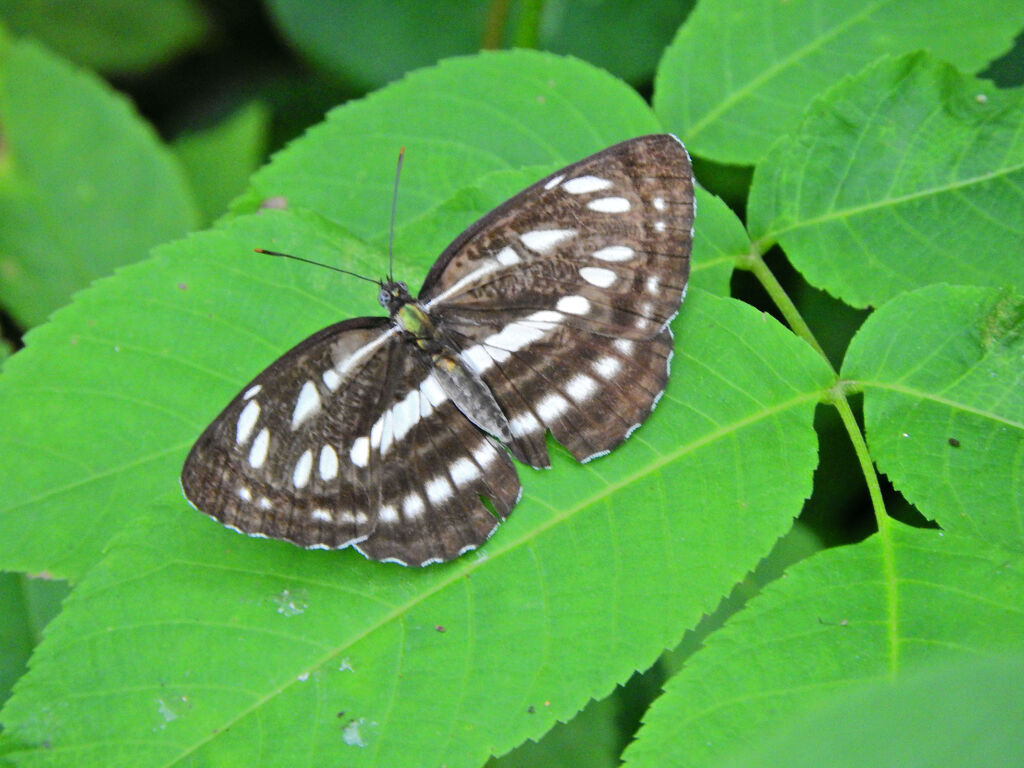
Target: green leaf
965, 713
942, 379
114, 36
623, 37
27, 605
600, 567
111, 359
220, 160
740, 73
874, 611
367, 46
589, 740
85, 185
456, 127
718, 240
907, 175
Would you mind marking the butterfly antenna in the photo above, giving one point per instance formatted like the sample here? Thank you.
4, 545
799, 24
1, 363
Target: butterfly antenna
317, 264
394, 207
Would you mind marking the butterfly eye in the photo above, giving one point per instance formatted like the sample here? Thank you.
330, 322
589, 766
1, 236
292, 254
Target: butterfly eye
384, 297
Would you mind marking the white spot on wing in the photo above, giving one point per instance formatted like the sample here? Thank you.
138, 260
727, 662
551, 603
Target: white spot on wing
375, 432
463, 471
439, 490
484, 453
432, 392
653, 283
514, 337
477, 358
543, 240
552, 183
614, 253
244, 494
388, 514
328, 463
580, 387
582, 185
322, 515
407, 413
606, 367
545, 317
659, 203
508, 257
307, 404
551, 407
609, 205
303, 469
251, 392
598, 276
388, 435
488, 267
573, 305
659, 226
413, 506
246, 421
359, 454
524, 424
625, 346
260, 446
332, 379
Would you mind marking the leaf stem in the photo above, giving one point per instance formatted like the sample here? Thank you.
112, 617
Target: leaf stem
527, 34
754, 262
837, 396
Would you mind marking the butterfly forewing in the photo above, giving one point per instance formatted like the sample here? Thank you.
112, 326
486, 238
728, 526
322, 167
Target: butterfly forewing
348, 439
556, 304
281, 460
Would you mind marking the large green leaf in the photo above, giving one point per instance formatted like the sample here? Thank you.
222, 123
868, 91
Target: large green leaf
963, 712
875, 611
367, 44
191, 643
186, 643
116, 36
741, 72
906, 175
85, 185
943, 387
95, 430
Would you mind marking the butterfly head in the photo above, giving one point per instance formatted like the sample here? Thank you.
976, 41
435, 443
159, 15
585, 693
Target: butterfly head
393, 295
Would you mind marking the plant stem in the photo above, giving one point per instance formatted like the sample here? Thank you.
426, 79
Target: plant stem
527, 34
755, 263
837, 396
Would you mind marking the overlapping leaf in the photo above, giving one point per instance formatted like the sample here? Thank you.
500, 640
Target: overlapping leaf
740, 74
943, 381
906, 175
85, 185
873, 611
219, 648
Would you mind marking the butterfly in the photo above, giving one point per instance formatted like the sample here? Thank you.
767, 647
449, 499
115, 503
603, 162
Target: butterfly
393, 434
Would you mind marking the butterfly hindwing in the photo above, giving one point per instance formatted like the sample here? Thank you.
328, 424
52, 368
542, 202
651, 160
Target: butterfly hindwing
560, 298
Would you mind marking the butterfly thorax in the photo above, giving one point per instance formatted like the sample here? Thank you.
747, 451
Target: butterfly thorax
460, 382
